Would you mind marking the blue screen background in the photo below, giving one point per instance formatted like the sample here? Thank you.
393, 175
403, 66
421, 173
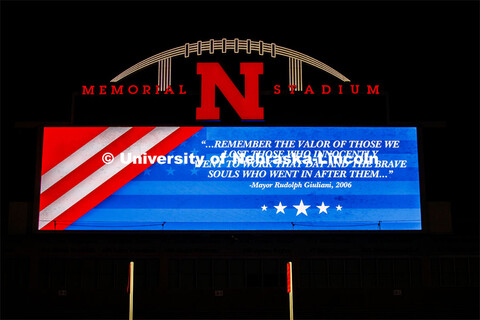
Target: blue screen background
184, 197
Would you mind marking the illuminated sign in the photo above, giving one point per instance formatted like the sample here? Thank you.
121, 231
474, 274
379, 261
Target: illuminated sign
229, 178
213, 76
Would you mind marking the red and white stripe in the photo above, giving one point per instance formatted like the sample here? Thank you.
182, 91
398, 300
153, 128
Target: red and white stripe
81, 180
80, 156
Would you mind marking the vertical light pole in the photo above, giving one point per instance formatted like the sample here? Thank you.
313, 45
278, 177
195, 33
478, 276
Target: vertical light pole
290, 287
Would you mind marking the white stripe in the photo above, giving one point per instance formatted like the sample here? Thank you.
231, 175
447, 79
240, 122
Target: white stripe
80, 156
100, 176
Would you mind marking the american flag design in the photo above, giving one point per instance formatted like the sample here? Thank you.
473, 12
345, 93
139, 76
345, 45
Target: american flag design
81, 191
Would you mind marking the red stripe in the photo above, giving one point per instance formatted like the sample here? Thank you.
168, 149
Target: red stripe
91, 165
59, 143
119, 180
289, 278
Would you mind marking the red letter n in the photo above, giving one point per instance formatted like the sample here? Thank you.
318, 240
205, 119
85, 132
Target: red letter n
213, 75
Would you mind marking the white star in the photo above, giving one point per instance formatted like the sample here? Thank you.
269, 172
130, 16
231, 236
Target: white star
264, 208
323, 208
301, 208
280, 208
339, 208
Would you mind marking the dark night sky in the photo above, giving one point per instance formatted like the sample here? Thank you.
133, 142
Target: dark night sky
424, 55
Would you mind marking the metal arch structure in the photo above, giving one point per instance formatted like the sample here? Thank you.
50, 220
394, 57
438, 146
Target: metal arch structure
295, 59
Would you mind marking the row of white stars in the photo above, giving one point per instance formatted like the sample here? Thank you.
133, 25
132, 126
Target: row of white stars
302, 208
170, 170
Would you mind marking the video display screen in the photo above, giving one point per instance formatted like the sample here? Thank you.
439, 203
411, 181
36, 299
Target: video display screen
230, 178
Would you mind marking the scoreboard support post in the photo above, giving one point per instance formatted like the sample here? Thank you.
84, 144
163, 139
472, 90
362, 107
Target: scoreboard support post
130, 291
